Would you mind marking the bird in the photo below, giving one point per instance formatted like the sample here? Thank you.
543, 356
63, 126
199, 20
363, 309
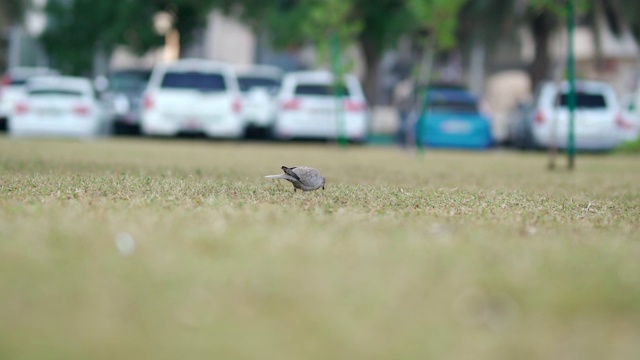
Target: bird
302, 177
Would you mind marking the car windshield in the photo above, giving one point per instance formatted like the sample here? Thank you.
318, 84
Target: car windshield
249, 82
194, 80
584, 100
17, 81
453, 106
452, 100
320, 89
55, 92
128, 81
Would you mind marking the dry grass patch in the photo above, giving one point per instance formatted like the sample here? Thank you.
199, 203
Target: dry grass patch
451, 256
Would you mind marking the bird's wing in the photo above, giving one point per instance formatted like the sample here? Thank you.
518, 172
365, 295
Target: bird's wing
307, 175
291, 172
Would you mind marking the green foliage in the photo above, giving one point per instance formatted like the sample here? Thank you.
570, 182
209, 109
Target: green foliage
328, 21
384, 22
439, 18
77, 30
14, 8
558, 7
80, 28
630, 147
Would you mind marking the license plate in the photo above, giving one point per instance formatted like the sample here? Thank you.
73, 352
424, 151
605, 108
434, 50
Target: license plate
455, 127
192, 124
321, 112
49, 112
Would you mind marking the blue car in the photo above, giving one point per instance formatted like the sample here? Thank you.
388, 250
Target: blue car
452, 119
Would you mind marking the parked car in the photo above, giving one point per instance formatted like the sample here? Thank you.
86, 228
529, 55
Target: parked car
58, 106
12, 88
308, 107
598, 118
193, 96
123, 99
520, 126
630, 120
453, 119
259, 86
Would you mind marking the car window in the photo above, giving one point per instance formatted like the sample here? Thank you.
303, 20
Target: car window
453, 106
128, 81
319, 89
584, 100
452, 100
248, 82
57, 92
194, 80
17, 81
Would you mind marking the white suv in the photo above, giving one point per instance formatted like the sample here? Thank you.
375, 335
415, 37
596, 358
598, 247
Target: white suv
192, 96
259, 85
598, 117
308, 107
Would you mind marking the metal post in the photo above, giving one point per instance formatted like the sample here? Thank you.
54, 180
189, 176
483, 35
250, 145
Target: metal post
338, 89
422, 95
571, 146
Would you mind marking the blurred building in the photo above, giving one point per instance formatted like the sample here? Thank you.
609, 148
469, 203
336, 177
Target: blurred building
18, 37
227, 39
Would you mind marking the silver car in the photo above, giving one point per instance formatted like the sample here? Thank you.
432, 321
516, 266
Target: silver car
123, 99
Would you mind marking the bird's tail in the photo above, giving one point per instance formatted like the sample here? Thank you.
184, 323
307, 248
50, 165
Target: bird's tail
280, 176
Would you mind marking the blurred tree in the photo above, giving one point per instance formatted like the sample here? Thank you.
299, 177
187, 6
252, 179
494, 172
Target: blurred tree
436, 23
618, 16
384, 22
630, 10
375, 25
544, 16
79, 29
330, 23
14, 9
481, 26
492, 20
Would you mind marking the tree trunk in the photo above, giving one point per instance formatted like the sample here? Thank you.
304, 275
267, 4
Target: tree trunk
477, 65
372, 59
541, 25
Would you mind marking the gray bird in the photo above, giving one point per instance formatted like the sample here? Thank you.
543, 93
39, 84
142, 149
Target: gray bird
302, 177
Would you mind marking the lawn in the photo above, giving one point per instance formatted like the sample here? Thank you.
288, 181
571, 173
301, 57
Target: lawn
158, 249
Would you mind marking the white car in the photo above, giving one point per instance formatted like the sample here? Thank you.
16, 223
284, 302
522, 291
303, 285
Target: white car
629, 123
58, 106
193, 96
259, 85
309, 108
597, 118
12, 87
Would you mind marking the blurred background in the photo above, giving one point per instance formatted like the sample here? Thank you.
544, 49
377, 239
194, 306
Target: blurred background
499, 50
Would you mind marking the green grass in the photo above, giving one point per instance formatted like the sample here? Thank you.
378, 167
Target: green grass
453, 255
630, 147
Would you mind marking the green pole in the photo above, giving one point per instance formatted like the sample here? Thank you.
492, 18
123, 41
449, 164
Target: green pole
571, 68
422, 94
337, 89
421, 128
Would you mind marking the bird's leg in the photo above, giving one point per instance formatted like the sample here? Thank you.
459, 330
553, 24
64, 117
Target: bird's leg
322, 187
294, 189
